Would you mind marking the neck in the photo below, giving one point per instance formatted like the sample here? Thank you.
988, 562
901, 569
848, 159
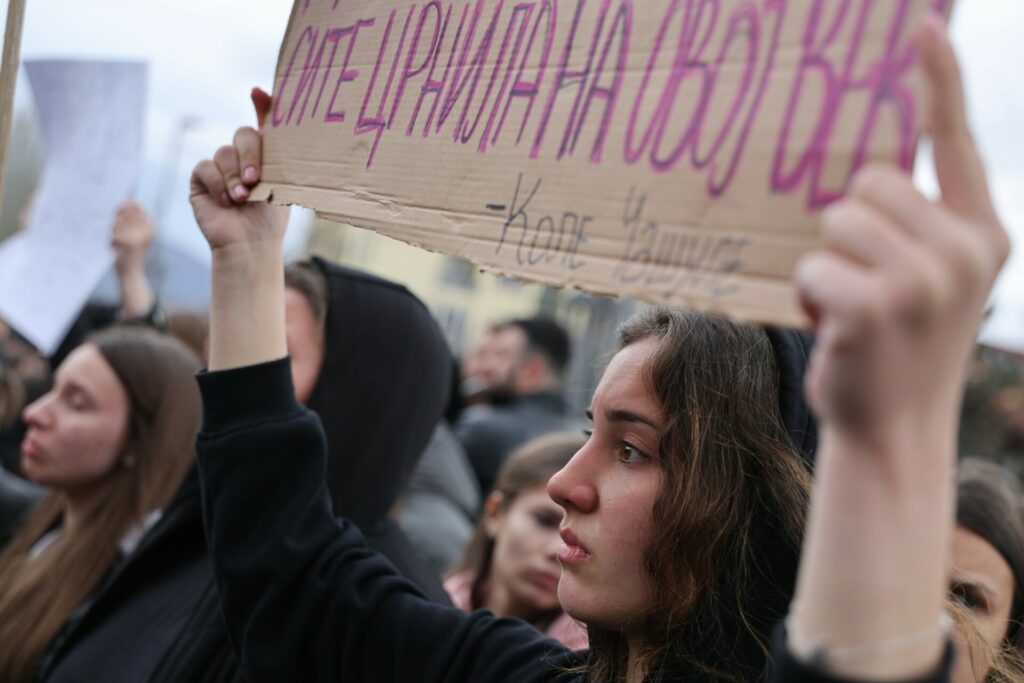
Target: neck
497, 598
77, 506
636, 668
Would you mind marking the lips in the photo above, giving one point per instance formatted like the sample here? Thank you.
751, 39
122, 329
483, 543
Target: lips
31, 449
573, 551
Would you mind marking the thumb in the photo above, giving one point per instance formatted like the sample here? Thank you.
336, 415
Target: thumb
261, 102
958, 166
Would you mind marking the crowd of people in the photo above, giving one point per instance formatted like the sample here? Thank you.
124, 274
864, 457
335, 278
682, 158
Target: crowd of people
335, 497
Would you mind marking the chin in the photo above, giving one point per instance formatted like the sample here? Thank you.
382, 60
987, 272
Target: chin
595, 609
32, 472
576, 601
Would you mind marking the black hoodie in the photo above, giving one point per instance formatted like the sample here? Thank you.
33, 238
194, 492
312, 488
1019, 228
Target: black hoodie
384, 384
383, 387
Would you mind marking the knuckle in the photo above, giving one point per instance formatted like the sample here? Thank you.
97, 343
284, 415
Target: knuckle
246, 134
919, 294
966, 256
202, 167
224, 154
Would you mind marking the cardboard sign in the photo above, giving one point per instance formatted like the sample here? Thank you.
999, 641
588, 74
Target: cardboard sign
675, 151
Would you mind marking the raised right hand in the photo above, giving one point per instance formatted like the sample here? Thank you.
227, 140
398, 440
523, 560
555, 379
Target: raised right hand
220, 191
899, 289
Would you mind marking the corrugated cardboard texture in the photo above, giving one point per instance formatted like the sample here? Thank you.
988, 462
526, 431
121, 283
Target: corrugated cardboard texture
669, 150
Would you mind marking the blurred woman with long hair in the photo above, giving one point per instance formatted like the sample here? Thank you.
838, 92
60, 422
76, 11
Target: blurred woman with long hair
112, 441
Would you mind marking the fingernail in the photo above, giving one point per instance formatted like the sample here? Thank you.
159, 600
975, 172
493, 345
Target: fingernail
249, 175
239, 191
225, 200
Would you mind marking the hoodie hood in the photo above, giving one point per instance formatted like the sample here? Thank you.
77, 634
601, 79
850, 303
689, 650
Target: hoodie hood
384, 385
793, 355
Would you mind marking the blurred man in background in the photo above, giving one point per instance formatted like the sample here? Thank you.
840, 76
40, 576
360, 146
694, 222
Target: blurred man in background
519, 367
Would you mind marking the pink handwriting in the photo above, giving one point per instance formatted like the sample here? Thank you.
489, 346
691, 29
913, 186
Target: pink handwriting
553, 73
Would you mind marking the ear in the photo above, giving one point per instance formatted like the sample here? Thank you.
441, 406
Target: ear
494, 513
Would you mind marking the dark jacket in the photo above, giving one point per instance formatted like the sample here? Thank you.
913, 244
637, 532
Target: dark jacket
142, 610
440, 507
304, 598
491, 433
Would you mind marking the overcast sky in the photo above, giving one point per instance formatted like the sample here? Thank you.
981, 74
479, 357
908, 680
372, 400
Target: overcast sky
204, 55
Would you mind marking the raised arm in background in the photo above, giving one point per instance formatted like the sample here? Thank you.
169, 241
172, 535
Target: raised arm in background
131, 238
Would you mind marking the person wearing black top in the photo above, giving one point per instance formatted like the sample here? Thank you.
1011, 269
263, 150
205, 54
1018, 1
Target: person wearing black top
380, 382
304, 598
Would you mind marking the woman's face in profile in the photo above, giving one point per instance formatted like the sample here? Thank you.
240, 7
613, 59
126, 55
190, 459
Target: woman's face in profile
76, 431
608, 491
305, 343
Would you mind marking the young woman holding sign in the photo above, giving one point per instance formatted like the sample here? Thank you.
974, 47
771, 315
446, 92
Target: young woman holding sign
687, 428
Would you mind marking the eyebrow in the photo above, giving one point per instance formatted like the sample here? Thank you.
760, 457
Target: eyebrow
624, 416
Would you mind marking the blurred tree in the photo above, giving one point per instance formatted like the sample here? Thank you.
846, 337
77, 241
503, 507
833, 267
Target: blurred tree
992, 421
24, 165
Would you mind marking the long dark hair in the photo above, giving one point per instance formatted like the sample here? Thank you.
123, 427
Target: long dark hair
729, 516
530, 465
38, 595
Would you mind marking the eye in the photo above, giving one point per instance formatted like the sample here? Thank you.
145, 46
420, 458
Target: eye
75, 400
587, 433
969, 596
547, 520
630, 454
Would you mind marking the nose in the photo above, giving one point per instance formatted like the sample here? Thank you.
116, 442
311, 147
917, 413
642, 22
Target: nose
573, 487
37, 414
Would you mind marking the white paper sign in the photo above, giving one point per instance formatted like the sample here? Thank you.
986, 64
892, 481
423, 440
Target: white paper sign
91, 116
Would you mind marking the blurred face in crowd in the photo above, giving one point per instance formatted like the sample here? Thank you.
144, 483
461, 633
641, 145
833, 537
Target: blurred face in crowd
77, 431
305, 343
983, 581
500, 359
524, 569
608, 491
473, 362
